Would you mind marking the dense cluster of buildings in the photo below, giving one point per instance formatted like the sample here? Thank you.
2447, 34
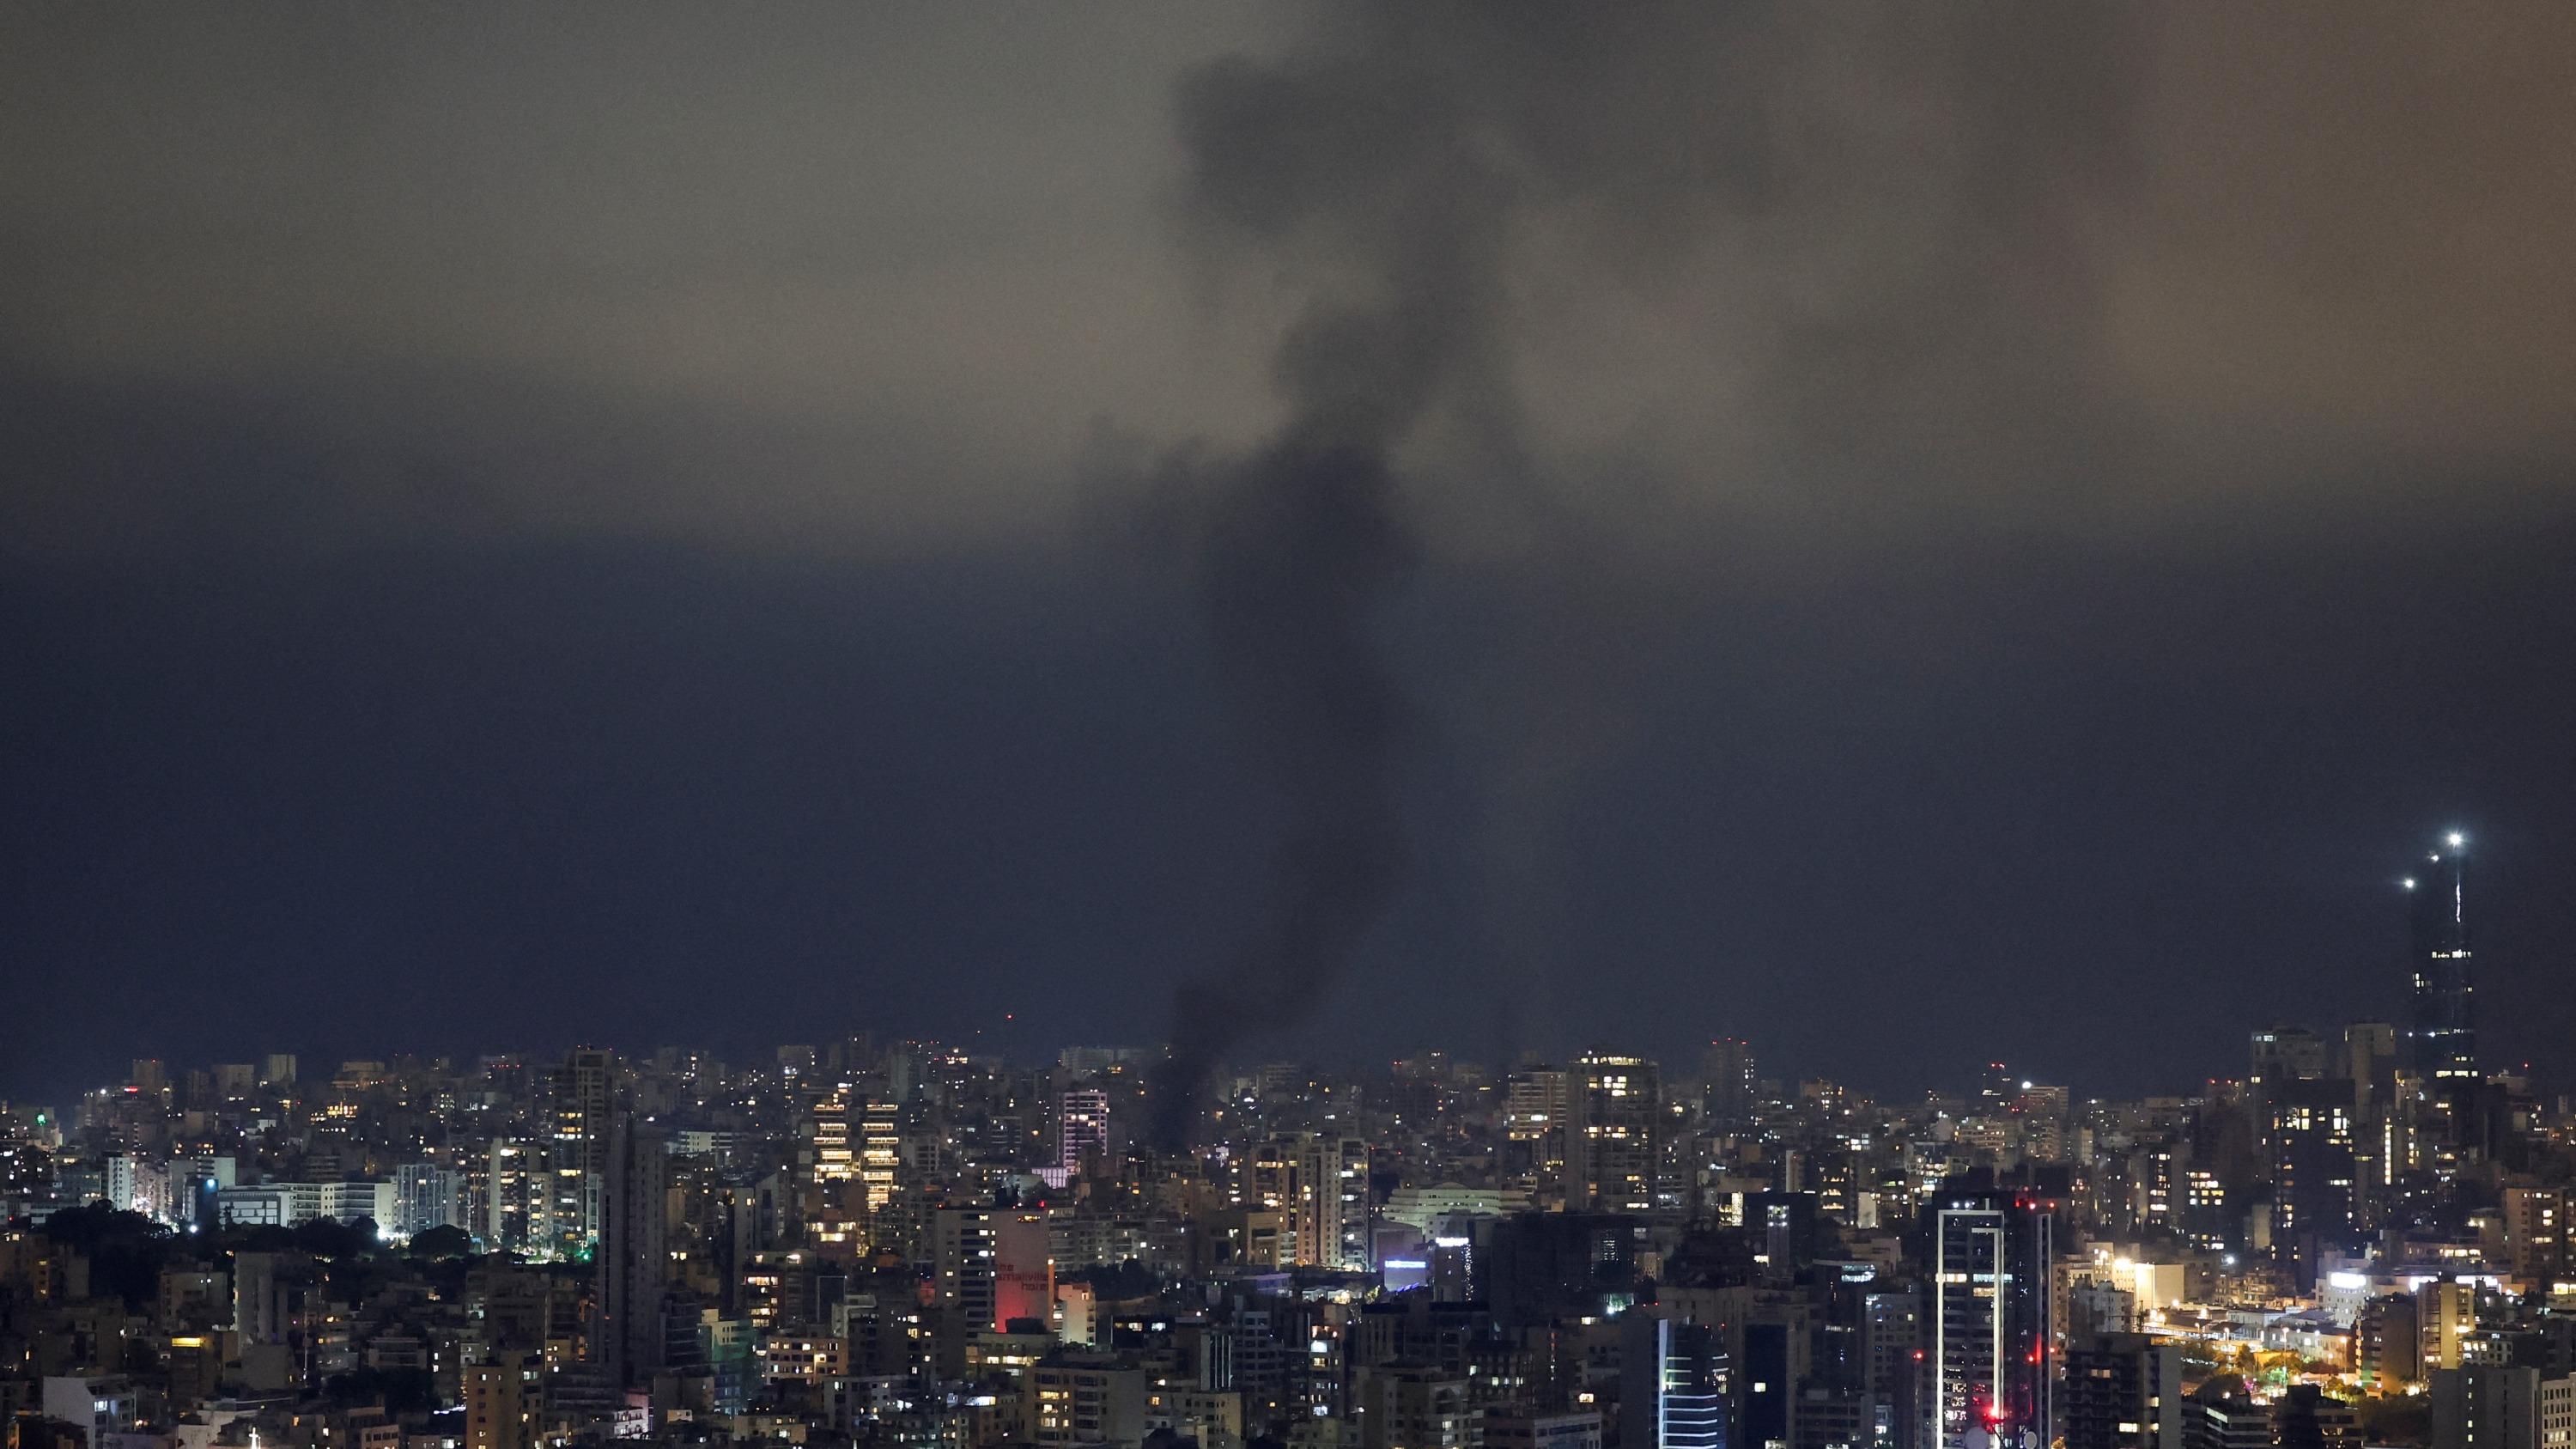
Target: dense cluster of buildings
2361, 1240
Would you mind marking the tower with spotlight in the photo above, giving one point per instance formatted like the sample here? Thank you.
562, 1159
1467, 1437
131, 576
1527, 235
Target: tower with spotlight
2444, 1040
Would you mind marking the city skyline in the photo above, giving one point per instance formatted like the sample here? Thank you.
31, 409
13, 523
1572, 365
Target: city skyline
2362, 1238
1319, 725
2438, 1039
1807, 509
1001, 1032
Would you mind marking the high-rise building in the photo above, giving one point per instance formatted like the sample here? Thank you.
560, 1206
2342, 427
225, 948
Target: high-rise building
258, 1314
1787, 1235
1318, 1184
2388, 1342
2447, 1311
1611, 1149
1275, 1181
2123, 1391
2204, 1215
2445, 1039
1082, 1128
835, 1160
634, 1254
137, 1186
2486, 1406
1771, 1359
2535, 1230
2278, 1057
1892, 1366
519, 1199
1729, 1082
427, 1196
1333, 1221
1545, 1266
962, 1258
1538, 1114
503, 1397
585, 1112
1673, 1384
1023, 1272
2370, 1058
1990, 1254
880, 1151
2557, 1413
2315, 1180
2283, 1054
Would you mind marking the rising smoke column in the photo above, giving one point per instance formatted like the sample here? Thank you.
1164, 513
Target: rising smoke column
1885, 210
1301, 545
1305, 549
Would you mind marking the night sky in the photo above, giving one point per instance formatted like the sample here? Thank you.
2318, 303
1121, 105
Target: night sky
1911, 536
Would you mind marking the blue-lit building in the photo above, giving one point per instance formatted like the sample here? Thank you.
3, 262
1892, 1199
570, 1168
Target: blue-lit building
1673, 1385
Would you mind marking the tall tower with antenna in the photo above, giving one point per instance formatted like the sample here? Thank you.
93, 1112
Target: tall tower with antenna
2445, 1035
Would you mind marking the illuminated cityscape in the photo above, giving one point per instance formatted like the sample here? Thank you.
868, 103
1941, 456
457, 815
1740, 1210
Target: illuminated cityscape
2361, 1240
1330, 724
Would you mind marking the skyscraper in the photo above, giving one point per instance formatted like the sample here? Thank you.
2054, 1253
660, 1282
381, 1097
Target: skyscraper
1990, 1258
1274, 1180
585, 1109
1727, 1078
1610, 1150
835, 1161
634, 1254
1673, 1384
1538, 1116
1333, 1220
2123, 1391
962, 1257
2445, 1038
879, 1148
1082, 1128
2316, 1198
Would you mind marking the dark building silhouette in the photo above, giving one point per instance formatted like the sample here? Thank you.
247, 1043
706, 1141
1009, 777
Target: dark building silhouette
1786, 1237
634, 1255
2222, 1415
1549, 1266
2304, 1418
2123, 1391
2315, 1178
1892, 1349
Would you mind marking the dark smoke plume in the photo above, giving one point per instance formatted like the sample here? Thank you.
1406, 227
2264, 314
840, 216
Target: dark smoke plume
1893, 238
1304, 549
1302, 544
